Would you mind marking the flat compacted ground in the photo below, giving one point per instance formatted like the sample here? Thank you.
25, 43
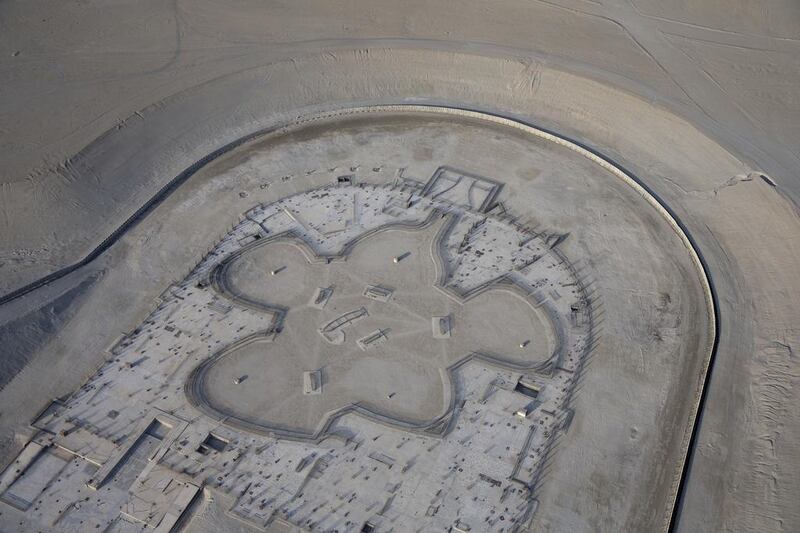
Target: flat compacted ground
404, 375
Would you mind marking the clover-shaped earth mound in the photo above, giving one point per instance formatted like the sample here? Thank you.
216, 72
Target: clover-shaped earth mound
383, 339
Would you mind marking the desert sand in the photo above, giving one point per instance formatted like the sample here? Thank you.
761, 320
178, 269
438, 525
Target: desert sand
135, 136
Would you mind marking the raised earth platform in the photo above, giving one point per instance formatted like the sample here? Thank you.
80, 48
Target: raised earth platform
394, 319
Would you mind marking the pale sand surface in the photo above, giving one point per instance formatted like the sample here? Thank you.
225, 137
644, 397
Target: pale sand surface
101, 105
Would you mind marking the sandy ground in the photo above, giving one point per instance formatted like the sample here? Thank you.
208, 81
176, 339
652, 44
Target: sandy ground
636, 399
411, 357
102, 104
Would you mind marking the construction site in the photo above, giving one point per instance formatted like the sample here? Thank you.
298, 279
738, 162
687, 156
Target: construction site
379, 271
